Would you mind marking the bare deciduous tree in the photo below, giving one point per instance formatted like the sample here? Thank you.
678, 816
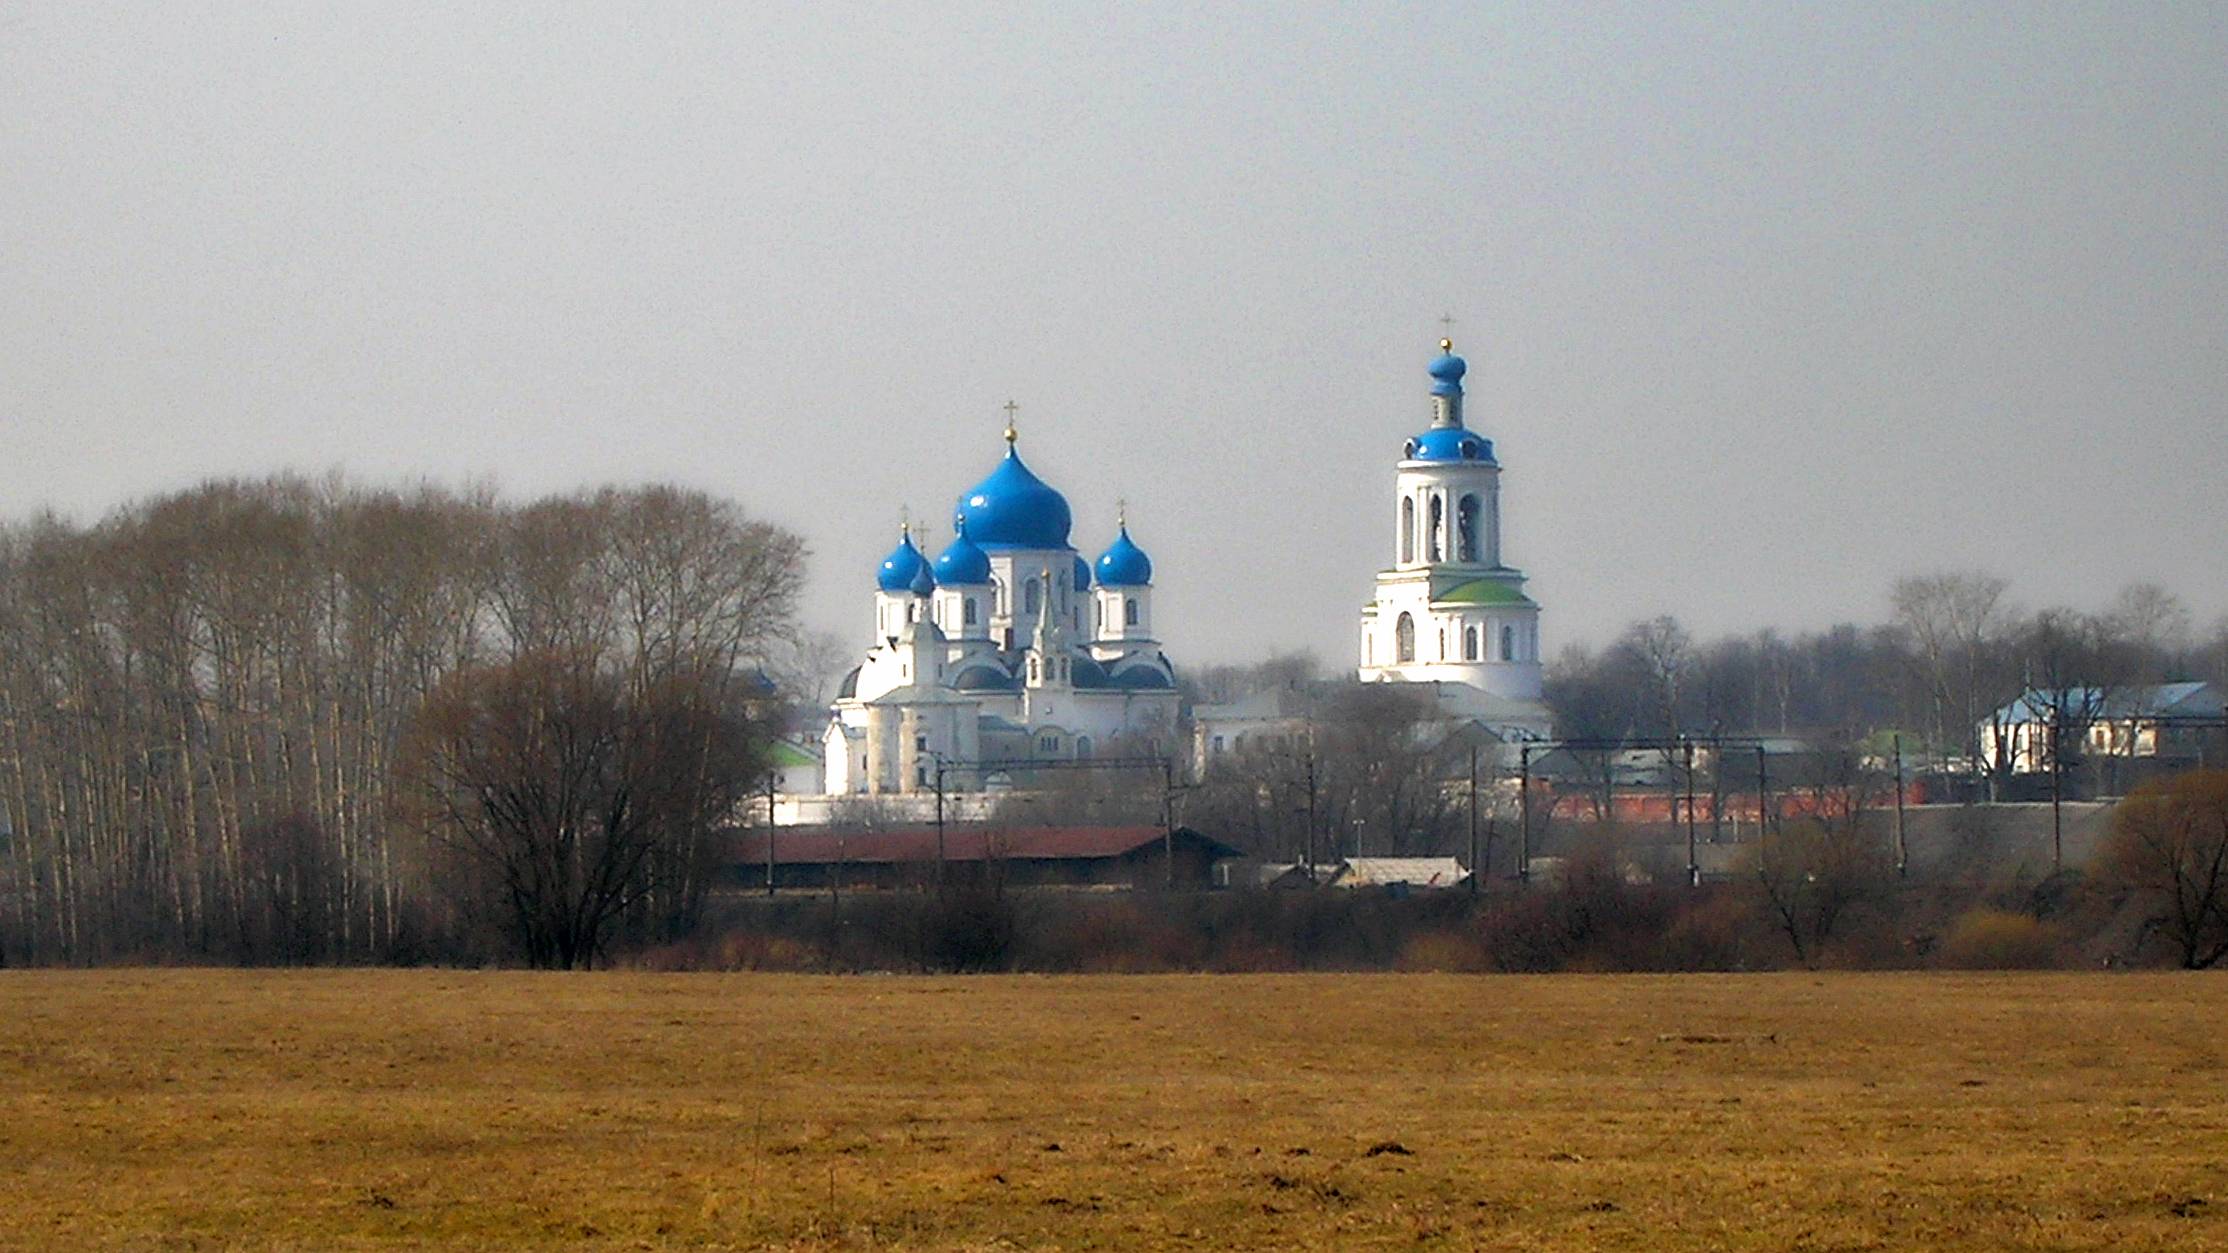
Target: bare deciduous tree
1955, 621
561, 787
202, 697
1810, 874
2169, 841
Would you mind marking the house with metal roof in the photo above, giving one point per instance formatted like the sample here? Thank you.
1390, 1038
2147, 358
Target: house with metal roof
2164, 724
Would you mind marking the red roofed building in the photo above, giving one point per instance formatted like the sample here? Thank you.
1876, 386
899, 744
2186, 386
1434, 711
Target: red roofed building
1127, 857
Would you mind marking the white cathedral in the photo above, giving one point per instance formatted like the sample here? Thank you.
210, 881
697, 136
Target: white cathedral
1449, 612
1007, 648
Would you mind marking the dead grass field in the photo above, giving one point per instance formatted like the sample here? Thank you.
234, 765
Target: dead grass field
345, 1110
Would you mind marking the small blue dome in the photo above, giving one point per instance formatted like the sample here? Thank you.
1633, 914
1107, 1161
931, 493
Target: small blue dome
1082, 575
1449, 443
1124, 564
900, 566
1013, 508
1448, 370
963, 564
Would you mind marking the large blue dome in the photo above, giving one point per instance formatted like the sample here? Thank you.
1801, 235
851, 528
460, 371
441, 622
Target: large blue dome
1449, 443
900, 567
964, 563
1013, 508
1124, 564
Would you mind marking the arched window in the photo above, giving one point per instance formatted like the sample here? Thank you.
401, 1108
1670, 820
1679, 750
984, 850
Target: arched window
1438, 521
1407, 529
1469, 643
1031, 596
1466, 529
1404, 639
1129, 611
1508, 643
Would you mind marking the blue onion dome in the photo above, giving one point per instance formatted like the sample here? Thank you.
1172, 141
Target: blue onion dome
1447, 371
1450, 443
1124, 564
964, 563
1013, 508
899, 568
1082, 574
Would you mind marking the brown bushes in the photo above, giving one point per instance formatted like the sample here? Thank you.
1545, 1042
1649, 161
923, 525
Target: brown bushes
2000, 939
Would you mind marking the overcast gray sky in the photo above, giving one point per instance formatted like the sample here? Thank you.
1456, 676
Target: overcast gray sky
1764, 305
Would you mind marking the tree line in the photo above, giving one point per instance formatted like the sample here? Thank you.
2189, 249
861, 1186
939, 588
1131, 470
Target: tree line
312, 721
1953, 652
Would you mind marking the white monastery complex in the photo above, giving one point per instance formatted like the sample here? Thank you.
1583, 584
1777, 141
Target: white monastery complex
1008, 648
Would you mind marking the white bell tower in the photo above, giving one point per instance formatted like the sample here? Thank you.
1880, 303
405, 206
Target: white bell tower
1449, 610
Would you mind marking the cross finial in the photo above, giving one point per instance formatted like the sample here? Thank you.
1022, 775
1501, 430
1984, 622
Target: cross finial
1011, 409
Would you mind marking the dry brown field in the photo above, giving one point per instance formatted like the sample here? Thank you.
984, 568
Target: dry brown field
394, 1109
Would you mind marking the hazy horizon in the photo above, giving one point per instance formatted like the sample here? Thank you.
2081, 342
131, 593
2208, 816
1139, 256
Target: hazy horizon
1764, 307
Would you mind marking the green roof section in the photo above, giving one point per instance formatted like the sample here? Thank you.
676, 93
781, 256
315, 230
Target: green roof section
786, 754
1481, 592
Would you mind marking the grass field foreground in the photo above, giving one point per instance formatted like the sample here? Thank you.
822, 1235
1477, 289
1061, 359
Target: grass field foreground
381, 1109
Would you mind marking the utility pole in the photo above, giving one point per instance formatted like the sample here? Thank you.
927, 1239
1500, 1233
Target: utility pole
939, 825
2057, 793
1524, 815
1763, 794
770, 777
1902, 848
1475, 868
1168, 818
1693, 866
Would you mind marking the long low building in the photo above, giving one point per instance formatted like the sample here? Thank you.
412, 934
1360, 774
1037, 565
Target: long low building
1125, 857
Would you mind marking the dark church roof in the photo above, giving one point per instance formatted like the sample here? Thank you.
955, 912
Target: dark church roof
820, 846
